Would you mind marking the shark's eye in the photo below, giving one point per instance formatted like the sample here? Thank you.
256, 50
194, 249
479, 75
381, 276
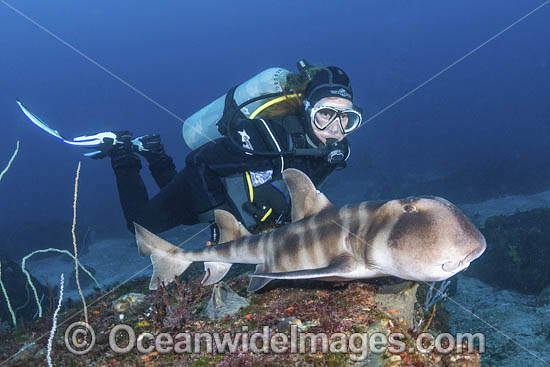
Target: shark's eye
409, 208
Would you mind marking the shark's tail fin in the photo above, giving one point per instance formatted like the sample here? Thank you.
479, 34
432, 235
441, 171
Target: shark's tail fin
166, 258
230, 229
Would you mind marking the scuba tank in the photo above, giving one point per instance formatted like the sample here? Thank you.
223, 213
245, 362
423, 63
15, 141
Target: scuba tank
201, 127
272, 93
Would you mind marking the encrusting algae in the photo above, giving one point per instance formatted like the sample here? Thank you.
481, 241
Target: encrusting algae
297, 310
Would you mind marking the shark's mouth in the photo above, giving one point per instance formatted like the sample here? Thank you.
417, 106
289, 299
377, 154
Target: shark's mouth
451, 266
454, 266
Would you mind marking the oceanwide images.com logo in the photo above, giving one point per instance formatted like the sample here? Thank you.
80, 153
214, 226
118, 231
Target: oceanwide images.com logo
80, 339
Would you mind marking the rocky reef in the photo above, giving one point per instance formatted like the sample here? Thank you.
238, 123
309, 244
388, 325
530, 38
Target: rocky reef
325, 324
518, 252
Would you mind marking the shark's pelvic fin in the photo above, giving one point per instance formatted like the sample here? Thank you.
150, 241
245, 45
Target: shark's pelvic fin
340, 267
306, 199
230, 229
165, 257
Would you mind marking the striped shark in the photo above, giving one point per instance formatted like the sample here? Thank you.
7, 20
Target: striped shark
418, 238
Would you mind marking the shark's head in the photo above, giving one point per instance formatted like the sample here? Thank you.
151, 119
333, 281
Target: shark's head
422, 238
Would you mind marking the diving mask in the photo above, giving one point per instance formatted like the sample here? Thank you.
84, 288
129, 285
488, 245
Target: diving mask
349, 119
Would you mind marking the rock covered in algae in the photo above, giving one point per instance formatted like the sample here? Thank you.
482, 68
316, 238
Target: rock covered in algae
517, 250
224, 301
127, 301
399, 299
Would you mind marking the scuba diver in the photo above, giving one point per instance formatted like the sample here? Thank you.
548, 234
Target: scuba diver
241, 171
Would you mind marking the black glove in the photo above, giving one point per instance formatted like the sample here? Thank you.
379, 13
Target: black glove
268, 204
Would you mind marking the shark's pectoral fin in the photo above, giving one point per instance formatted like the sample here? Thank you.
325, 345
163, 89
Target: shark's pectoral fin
258, 283
166, 258
215, 271
306, 199
342, 266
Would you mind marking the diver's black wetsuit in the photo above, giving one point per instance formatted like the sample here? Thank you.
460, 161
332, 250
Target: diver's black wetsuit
199, 187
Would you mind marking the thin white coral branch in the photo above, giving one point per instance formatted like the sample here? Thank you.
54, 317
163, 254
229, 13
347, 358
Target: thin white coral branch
54, 323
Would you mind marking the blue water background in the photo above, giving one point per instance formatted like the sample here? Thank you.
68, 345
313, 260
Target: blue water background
490, 110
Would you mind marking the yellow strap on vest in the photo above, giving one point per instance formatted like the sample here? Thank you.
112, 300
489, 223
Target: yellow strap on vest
250, 187
266, 215
271, 103
251, 195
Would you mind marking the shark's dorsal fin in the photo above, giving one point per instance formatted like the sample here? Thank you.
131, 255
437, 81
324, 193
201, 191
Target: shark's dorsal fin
306, 199
230, 228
